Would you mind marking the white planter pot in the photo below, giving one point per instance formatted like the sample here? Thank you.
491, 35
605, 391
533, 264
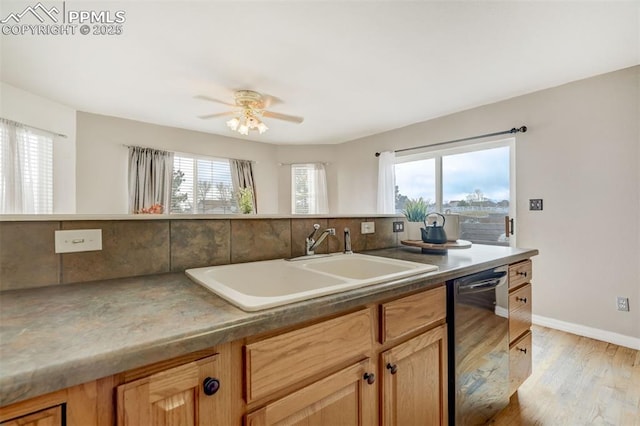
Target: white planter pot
413, 230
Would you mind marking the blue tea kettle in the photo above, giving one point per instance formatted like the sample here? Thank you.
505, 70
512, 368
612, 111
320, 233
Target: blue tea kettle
434, 233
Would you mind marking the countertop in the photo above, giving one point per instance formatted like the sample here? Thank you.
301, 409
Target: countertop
55, 337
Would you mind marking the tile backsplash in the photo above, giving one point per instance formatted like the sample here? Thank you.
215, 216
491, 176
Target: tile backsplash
144, 247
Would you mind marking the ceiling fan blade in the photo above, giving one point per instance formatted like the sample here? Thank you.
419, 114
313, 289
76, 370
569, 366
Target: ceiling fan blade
268, 101
207, 98
285, 117
220, 114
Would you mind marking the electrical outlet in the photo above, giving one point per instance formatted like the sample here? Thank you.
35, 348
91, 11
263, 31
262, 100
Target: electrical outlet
76, 240
535, 204
398, 226
623, 304
367, 227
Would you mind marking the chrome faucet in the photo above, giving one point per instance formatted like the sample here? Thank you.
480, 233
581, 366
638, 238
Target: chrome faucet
312, 244
347, 241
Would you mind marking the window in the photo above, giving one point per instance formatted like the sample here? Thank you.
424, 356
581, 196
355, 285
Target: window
473, 181
308, 189
26, 170
202, 185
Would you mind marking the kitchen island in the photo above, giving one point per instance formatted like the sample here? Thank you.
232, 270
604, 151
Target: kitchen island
60, 337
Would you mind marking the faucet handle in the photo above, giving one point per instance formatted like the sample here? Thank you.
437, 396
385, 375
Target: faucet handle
316, 226
347, 241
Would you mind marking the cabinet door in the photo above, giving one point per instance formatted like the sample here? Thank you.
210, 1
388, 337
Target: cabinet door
414, 381
173, 397
519, 312
519, 362
49, 417
344, 398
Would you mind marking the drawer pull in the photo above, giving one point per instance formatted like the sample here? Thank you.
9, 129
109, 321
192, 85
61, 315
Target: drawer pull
210, 386
521, 299
369, 377
393, 368
524, 274
523, 350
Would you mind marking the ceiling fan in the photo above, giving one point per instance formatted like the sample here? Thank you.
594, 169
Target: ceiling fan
249, 107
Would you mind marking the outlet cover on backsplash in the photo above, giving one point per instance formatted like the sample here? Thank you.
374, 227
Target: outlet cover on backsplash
367, 227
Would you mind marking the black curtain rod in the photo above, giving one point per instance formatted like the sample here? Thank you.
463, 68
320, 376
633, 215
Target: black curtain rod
514, 130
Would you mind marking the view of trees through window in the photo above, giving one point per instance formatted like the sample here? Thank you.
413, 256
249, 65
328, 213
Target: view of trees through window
475, 185
202, 186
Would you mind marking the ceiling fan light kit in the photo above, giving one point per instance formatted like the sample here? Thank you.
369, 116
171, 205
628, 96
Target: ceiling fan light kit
246, 121
251, 106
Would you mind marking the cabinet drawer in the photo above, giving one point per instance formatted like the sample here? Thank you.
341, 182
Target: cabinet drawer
280, 361
49, 417
402, 316
520, 273
519, 311
519, 362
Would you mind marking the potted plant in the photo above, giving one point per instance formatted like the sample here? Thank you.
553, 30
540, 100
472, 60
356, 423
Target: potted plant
415, 210
245, 200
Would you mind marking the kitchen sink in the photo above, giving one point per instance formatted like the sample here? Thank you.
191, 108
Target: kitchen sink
255, 286
362, 267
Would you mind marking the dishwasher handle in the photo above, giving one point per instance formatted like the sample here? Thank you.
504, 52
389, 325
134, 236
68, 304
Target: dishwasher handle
480, 285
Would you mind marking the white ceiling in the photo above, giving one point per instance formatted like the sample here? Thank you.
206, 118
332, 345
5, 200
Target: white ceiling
350, 68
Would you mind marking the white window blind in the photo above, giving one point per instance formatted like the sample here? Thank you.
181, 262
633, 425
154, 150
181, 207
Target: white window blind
308, 189
202, 185
26, 170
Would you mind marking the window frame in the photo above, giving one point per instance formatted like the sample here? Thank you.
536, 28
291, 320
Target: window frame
437, 152
194, 189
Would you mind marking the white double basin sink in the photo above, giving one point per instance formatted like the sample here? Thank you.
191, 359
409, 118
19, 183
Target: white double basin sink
255, 286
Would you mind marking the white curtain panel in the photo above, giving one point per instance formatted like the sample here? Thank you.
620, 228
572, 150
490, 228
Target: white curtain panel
319, 180
26, 170
242, 177
386, 183
150, 178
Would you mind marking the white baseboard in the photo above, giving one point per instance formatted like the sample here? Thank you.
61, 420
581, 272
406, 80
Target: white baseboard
501, 312
593, 333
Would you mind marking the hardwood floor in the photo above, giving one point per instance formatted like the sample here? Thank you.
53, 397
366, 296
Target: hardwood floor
576, 381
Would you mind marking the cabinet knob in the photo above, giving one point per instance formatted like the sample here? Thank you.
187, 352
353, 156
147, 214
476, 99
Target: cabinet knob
369, 377
392, 367
524, 274
523, 350
521, 299
210, 386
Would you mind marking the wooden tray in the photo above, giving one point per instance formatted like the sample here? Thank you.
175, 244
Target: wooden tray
429, 248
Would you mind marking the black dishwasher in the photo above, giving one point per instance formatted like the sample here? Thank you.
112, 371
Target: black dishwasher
478, 335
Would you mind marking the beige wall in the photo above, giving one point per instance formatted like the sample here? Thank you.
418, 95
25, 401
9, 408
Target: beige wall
32, 110
581, 155
102, 159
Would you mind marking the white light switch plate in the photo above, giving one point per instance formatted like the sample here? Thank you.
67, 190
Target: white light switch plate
367, 227
76, 240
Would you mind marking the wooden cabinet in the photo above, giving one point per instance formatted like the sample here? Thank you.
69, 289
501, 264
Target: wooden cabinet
519, 362
405, 315
314, 375
304, 376
183, 395
48, 417
520, 343
520, 273
344, 398
283, 360
414, 380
